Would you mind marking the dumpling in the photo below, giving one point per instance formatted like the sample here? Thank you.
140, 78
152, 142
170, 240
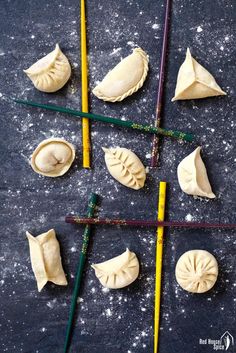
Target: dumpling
196, 271
50, 73
194, 81
192, 176
125, 78
45, 259
118, 272
53, 157
125, 167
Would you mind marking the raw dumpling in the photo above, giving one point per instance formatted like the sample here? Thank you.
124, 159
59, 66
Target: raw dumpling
50, 73
196, 271
45, 259
192, 176
125, 78
53, 157
194, 81
118, 272
125, 167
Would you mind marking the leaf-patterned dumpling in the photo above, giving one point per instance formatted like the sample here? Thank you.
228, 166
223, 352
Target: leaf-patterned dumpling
53, 157
50, 73
119, 271
45, 259
194, 81
125, 78
196, 271
125, 167
192, 176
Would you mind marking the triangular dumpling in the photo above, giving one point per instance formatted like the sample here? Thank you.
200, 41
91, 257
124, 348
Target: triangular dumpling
194, 81
192, 176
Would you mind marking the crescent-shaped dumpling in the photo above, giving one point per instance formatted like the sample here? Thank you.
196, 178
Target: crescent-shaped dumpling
125, 78
46, 259
125, 167
50, 73
53, 157
196, 271
192, 176
194, 81
119, 271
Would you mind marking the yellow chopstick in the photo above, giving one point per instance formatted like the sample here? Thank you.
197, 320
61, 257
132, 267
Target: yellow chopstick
84, 89
159, 251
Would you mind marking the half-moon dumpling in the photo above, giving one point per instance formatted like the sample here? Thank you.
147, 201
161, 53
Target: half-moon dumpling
192, 176
50, 73
196, 271
194, 81
125, 78
45, 259
53, 157
125, 167
118, 272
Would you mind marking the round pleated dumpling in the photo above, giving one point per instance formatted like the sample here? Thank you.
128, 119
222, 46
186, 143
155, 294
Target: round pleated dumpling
119, 271
53, 157
196, 271
125, 78
50, 73
125, 167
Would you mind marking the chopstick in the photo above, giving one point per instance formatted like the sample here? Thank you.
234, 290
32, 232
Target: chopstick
79, 273
146, 223
159, 256
155, 141
84, 88
124, 123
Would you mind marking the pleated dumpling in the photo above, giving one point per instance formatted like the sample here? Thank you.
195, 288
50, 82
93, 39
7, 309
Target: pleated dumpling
50, 73
192, 176
119, 271
194, 81
46, 259
125, 78
53, 157
125, 167
196, 271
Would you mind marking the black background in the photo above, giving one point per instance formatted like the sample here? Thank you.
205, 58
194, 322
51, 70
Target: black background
115, 320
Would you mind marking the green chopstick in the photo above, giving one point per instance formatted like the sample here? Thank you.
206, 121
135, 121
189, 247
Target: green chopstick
127, 123
91, 208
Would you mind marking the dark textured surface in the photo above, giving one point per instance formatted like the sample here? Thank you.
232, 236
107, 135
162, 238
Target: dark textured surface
108, 320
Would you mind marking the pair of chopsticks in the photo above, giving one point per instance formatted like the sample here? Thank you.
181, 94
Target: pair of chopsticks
127, 123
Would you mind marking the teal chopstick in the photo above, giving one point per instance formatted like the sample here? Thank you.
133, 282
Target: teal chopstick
125, 123
91, 208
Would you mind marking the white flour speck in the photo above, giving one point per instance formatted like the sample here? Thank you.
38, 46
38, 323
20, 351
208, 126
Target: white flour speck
189, 217
115, 51
155, 26
43, 329
199, 29
108, 312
